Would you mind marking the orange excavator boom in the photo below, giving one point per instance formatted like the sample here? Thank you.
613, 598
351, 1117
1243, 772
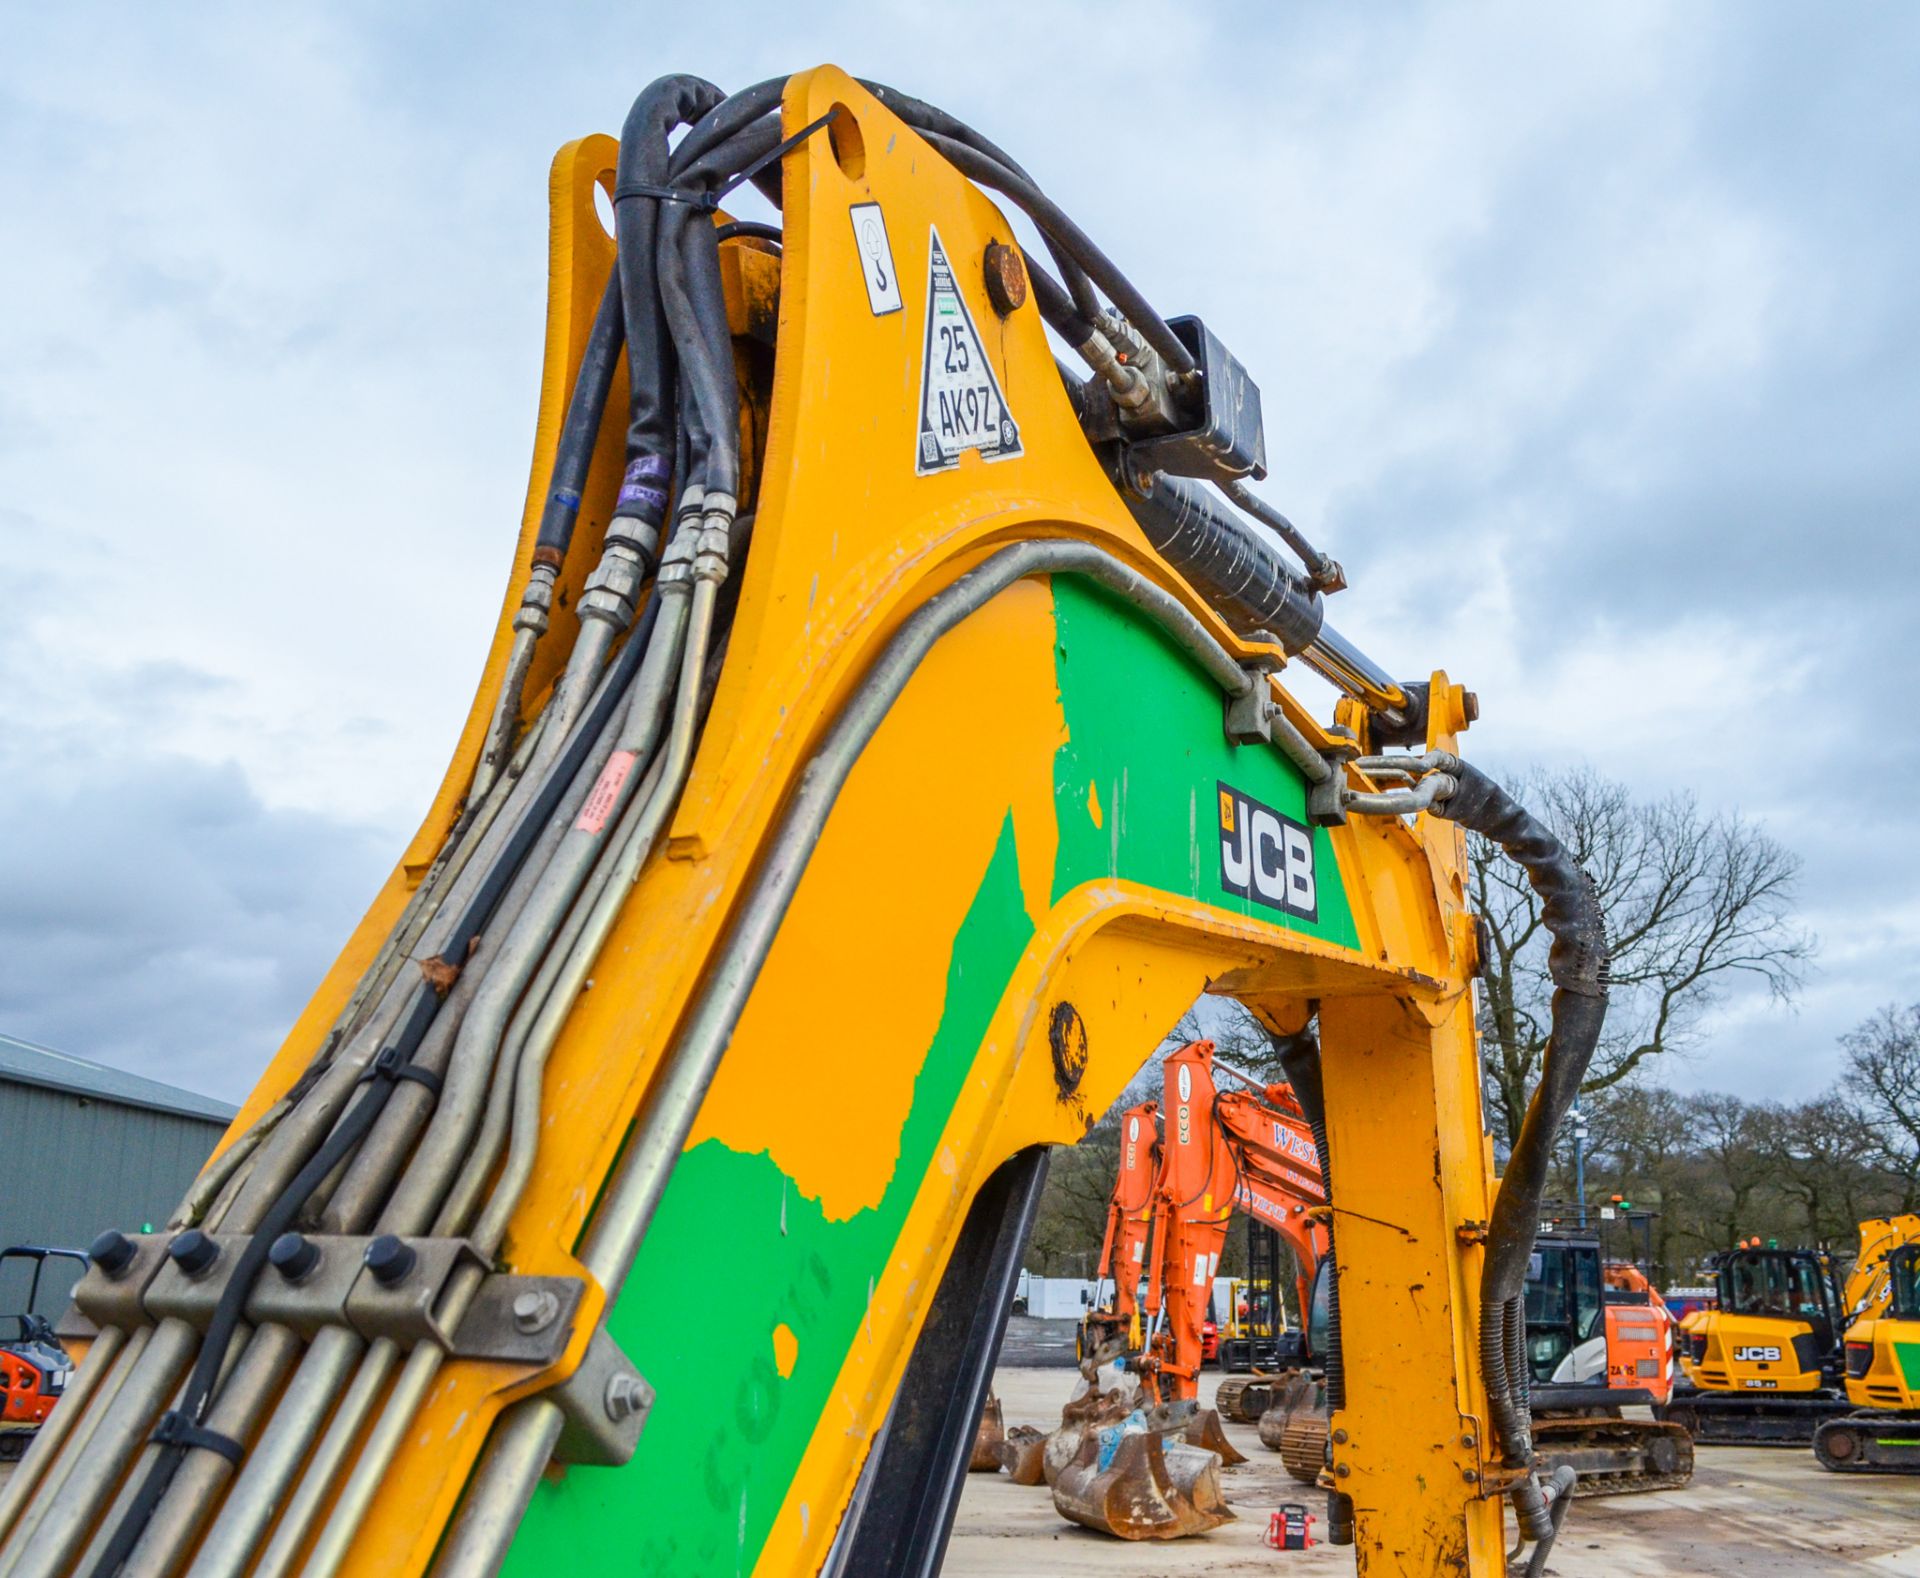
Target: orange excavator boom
1224, 1151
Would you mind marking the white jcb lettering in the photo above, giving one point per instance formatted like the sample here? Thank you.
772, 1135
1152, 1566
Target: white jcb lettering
1300, 895
1268, 856
1235, 857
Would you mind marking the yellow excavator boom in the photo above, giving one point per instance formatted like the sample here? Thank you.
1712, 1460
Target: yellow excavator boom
863, 777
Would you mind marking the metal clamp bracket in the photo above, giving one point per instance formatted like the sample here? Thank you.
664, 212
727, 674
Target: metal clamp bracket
605, 1402
118, 1300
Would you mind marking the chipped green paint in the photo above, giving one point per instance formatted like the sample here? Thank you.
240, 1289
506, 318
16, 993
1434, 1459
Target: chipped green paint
727, 1432
1146, 726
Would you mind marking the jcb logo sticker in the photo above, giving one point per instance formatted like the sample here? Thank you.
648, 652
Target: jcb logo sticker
1757, 1355
1266, 857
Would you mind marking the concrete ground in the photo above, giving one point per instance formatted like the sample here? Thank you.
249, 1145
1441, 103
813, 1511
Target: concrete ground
1750, 1512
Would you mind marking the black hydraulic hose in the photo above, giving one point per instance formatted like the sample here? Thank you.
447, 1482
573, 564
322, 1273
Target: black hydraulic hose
581, 429
925, 117
1577, 963
1300, 1056
696, 304
1056, 225
749, 227
726, 120
643, 169
383, 1075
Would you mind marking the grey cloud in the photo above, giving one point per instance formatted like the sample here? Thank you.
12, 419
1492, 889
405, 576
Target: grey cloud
1587, 338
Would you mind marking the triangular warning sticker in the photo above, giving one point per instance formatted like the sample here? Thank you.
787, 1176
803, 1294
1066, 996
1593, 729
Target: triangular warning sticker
961, 406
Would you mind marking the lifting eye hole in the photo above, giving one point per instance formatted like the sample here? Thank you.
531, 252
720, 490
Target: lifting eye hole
603, 206
849, 147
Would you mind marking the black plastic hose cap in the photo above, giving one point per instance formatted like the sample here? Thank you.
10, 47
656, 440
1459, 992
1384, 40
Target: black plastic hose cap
389, 1260
193, 1252
294, 1256
112, 1252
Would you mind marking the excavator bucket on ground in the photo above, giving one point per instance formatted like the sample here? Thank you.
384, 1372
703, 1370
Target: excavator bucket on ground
1023, 1455
1205, 1430
988, 1438
1138, 1487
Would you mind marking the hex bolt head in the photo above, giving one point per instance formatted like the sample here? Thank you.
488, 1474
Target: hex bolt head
294, 1256
194, 1253
1340, 1437
626, 1396
112, 1252
390, 1260
535, 1309
1341, 1471
1469, 1442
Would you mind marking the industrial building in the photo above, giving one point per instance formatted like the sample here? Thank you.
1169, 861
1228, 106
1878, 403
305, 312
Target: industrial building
84, 1148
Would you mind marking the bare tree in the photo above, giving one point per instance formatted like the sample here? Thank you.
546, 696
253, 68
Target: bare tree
1693, 903
1883, 1078
1732, 1136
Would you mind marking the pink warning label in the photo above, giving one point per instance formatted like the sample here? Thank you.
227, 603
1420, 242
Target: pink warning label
606, 793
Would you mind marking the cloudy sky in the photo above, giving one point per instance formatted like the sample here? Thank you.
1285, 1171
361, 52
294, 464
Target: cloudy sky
1588, 341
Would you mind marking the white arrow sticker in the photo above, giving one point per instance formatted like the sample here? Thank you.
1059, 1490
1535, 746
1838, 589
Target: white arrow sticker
961, 406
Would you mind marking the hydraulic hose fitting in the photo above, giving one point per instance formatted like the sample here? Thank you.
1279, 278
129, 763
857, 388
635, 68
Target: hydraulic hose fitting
536, 602
613, 590
1129, 385
715, 533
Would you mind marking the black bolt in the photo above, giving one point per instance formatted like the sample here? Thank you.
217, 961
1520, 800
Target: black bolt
194, 1253
294, 1256
389, 1260
112, 1252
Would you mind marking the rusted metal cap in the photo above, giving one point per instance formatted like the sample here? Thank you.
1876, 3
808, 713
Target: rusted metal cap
1006, 277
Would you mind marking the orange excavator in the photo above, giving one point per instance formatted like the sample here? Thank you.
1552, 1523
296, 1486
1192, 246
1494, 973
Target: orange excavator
1123, 1251
1154, 1475
1248, 1150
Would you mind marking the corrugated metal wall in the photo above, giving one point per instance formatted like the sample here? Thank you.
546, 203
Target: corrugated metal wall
72, 1166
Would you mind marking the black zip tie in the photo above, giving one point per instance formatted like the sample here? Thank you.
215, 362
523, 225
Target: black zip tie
391, 1066
709, 201
177, 1429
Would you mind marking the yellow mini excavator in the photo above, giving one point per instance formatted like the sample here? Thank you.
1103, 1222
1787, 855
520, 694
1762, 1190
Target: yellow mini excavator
888, 732
1883, 1361
1763, 1366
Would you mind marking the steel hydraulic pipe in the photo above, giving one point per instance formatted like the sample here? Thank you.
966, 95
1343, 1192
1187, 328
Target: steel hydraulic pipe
500, 1492
316, 1483
424, 1363
242, 1404
449, 1137
502, 1101
276, 1457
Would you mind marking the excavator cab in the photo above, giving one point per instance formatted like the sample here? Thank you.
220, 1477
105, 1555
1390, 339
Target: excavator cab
1566, 1315
1764, 1366
1784, 1285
